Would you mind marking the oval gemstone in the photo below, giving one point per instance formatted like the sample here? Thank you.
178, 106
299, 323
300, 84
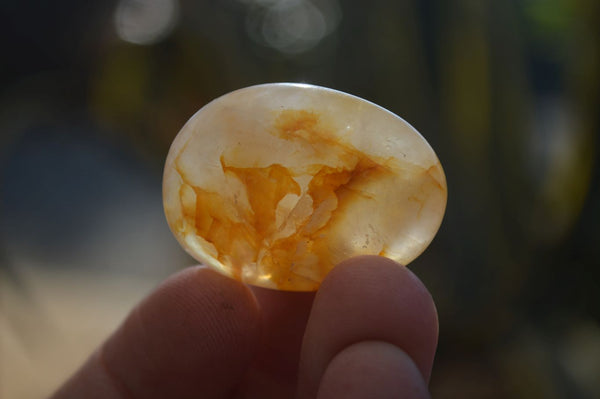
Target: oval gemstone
275, 184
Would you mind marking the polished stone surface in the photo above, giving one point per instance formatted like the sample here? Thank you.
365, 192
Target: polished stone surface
275, 184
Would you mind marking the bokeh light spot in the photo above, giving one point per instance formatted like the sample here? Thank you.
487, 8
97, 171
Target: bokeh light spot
291, 26
145, 21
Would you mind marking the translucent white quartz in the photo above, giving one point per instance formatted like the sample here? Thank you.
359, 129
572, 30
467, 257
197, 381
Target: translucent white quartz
275, 184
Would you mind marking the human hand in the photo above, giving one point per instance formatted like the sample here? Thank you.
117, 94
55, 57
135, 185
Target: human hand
369, 332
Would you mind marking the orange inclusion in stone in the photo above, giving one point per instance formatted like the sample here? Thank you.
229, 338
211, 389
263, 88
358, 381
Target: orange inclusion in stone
265, 187
311, 247
244, 236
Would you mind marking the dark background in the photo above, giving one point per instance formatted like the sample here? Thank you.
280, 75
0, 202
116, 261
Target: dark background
506, 92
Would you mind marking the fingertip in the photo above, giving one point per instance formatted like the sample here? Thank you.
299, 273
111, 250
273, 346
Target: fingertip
377, 272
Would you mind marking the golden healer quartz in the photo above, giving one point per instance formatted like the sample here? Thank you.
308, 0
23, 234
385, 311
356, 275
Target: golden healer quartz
275, 184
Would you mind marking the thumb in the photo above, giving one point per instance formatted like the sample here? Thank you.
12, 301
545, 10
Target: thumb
193, 337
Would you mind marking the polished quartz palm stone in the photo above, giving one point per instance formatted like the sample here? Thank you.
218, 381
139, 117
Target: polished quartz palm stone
275, 184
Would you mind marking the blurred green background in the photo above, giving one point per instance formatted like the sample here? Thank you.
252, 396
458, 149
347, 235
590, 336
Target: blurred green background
506, 92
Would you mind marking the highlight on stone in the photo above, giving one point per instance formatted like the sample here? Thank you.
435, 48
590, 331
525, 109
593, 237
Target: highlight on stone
275, 184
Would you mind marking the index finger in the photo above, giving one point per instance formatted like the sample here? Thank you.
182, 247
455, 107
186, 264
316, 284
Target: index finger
368, 299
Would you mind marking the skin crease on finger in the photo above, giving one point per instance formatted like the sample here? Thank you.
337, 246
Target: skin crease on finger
201, 334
